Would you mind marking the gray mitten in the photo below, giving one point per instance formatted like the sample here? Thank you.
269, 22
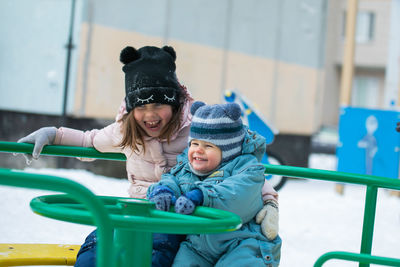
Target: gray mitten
162, 201
43, 136
268, 217
184, 205
162, 196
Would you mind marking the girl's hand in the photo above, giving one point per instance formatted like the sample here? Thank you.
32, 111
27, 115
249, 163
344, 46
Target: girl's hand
43, 136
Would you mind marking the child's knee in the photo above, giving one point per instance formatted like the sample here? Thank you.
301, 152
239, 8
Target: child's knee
167, 242
86, 257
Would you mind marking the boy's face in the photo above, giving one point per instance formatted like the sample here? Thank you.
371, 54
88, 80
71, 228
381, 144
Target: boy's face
204, 156
152, 118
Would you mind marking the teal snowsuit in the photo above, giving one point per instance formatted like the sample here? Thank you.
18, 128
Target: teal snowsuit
236, 187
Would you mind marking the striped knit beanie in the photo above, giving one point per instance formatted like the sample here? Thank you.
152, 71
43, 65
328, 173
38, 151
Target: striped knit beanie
220, 125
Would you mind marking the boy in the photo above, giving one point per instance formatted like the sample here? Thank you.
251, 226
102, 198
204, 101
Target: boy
221, 169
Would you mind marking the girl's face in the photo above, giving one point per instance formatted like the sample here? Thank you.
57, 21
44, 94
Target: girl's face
204, 156
152, 118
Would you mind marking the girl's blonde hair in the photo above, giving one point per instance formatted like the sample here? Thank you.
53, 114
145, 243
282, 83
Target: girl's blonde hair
133, 134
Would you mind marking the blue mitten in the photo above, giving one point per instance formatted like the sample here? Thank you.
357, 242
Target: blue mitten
162, 196
186, 203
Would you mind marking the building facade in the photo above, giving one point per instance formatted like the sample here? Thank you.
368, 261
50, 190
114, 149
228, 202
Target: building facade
284, 56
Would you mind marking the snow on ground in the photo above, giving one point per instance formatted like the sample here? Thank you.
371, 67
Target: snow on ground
313, 218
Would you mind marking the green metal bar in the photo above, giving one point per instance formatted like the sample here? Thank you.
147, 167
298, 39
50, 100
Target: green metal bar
363, 258
161, 221
372, 182
63, 151
80, 193
334, 176
369, 221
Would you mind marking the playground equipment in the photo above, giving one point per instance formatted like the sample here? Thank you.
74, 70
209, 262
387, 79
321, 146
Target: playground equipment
368, 142
125, 225
108, 212
256, 122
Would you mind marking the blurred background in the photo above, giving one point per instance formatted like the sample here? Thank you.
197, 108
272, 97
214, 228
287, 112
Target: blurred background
59, 64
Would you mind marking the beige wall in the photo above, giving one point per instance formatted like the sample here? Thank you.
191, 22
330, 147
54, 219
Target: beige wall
100, 80
370, 58
292, 101
374, 53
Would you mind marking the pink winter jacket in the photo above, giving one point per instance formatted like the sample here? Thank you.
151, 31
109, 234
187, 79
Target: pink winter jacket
143, 169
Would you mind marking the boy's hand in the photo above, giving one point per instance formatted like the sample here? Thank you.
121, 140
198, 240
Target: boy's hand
186, 203
162, 196
398, 127
43, 136
268, 217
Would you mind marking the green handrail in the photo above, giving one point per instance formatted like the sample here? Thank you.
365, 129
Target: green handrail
371, 182
362, 258
333, 176
120, 244
63, 151
80, 193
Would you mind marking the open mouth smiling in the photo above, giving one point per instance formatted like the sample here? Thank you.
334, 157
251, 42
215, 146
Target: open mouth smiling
152, 124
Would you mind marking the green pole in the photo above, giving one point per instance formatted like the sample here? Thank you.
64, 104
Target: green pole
134, 248
78, 192
369, 221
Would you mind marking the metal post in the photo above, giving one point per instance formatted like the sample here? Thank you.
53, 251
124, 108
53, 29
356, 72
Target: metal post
369, 221
277, 59
69, 47
225, 51
133, 248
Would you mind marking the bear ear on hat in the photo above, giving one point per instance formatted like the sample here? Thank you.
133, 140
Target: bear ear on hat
233, 111
170, 51
195, 106
128, 54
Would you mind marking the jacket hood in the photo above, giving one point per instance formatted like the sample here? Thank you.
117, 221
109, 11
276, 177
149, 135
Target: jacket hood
254, 143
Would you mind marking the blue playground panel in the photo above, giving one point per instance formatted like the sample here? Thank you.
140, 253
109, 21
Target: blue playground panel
251, 116
368, 142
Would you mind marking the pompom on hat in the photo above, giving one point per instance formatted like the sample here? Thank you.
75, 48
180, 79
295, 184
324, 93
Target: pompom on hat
150, 76
220, 125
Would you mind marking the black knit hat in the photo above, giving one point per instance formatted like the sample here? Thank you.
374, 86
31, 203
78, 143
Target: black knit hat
150, 76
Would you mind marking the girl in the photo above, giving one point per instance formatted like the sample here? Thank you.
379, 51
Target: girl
151, 129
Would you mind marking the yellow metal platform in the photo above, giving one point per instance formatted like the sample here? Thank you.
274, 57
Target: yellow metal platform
37, 254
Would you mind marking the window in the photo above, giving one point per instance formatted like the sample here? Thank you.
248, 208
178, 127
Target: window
364, 27
365, 92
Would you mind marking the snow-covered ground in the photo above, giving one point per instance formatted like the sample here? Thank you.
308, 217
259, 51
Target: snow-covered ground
313, 218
